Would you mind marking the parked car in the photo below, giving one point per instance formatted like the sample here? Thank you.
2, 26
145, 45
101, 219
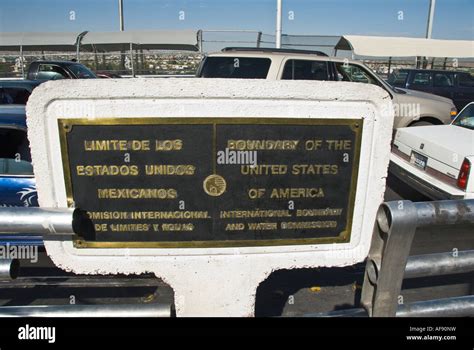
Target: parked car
411, 107
17, 182
54, 70
437, 160
107, 75
458, 86
16, 91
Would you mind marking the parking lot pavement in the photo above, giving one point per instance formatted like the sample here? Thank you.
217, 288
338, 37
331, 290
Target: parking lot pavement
42, 283
295, 293
284, 293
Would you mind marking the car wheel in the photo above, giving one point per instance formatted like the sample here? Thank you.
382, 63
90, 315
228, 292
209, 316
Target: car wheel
421, 123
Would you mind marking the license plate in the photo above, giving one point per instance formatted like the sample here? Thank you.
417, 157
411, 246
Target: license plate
419, 160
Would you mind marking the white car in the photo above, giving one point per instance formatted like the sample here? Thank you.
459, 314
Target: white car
437, 160
411, 108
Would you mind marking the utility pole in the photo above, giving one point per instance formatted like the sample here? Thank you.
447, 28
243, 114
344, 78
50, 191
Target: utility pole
278, 25
429, 26
429, 29
122, 53
121, 14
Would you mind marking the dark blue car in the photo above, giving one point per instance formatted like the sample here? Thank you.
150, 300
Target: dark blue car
17, 182
458, 86
16, 92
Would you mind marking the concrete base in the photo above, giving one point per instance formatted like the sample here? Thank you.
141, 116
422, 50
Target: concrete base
211, 281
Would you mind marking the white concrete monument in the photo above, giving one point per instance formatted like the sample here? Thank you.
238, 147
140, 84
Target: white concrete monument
211, 184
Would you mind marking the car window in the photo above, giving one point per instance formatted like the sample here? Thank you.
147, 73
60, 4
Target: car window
5, 97
14, 95
465, 119
354, 73
51, 72
81, 72
15, 156
305, 70
397, 78
421, 78
443, 80
235, 67
465, 80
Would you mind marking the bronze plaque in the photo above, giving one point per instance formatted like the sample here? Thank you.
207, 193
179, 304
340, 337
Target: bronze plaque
212, 182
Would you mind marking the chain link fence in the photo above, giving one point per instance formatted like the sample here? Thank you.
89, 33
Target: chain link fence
140, 62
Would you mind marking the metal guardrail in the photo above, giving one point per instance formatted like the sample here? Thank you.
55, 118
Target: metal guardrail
389, 263
46, 221
449, 307
439, 264
58, 224
30, 226
49, 223
124, 310
9, 269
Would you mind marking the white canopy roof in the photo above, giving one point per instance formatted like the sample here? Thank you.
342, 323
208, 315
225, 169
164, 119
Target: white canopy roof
103, 41
37, 41
405, 47
148, 39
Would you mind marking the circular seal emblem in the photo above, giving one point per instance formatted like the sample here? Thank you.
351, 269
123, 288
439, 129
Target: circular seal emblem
214, 185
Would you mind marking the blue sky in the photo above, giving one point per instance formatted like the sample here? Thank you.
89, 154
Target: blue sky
454, 19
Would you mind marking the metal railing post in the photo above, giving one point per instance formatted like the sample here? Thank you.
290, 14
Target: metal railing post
388, 255
131, 60
259, 38
389, 66
78, 44
387, 265
22, 62
199, 37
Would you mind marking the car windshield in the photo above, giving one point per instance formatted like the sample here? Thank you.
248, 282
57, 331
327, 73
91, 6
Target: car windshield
13, 95
465, 119
397, 77
235, 67
81, 72
15, 156
356, 73
397, 90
